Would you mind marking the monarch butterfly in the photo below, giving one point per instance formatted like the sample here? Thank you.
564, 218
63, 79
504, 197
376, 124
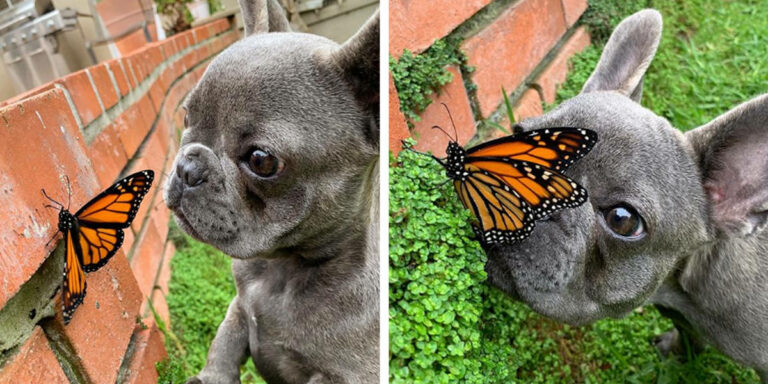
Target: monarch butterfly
95, 233
511, 182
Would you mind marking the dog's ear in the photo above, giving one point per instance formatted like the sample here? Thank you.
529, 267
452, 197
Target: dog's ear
732, 153
262, 16
357, 60
627, 55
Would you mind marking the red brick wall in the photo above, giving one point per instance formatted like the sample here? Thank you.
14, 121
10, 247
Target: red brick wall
525, 48
94, 126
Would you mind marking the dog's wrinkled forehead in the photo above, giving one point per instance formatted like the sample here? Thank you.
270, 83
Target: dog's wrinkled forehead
275, 89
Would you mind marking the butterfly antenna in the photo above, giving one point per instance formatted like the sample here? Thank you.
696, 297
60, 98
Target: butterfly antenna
455, 132
446, 133
59, 206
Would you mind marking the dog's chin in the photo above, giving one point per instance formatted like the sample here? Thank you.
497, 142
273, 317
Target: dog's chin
186, 226
233, 246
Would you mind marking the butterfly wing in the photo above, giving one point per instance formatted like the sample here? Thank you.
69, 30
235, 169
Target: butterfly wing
552, 148
503, 215
544, 190
101, 220
74, 278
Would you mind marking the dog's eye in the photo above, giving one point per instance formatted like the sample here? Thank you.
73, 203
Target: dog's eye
624, 221
264, 164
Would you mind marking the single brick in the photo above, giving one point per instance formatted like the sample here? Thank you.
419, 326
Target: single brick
101, 327
573, 10
134, 68
167, 78
201, 33
163, 131
154, 56
164, 51
28, 94
157, 94
506, 51
120, 77
418, 23
83, 96
131, 43
398, 128
148, 112
129, 126
107, 155
189, 60
147, 258
104, 85
557, 70
454, 95
47, 147
151, 157
179, 42
148, 350
130, 73
34, 363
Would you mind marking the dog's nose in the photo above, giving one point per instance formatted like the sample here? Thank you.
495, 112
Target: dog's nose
189, 169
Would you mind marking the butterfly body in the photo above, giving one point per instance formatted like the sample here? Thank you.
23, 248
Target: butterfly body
95, 232
454, 163
511, 182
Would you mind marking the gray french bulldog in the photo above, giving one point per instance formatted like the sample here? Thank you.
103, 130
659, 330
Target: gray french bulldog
278, 168
677, 220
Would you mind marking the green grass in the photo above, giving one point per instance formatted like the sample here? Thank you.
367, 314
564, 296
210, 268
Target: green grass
200, 290
447, 325
711, 57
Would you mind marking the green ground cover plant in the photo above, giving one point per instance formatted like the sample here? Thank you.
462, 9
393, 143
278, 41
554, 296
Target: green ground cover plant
416, 77
447, 325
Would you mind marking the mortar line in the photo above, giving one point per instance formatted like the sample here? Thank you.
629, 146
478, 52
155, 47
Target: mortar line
93, 129
530, 80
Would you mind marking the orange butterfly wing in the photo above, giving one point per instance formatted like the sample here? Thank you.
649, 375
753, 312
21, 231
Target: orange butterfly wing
74, 279
552, 148
544, 190
102, 219
502, 214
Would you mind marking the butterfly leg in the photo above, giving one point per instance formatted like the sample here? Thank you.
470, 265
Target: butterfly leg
228, 350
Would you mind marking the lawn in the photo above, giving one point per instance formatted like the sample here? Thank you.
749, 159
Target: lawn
447, 325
